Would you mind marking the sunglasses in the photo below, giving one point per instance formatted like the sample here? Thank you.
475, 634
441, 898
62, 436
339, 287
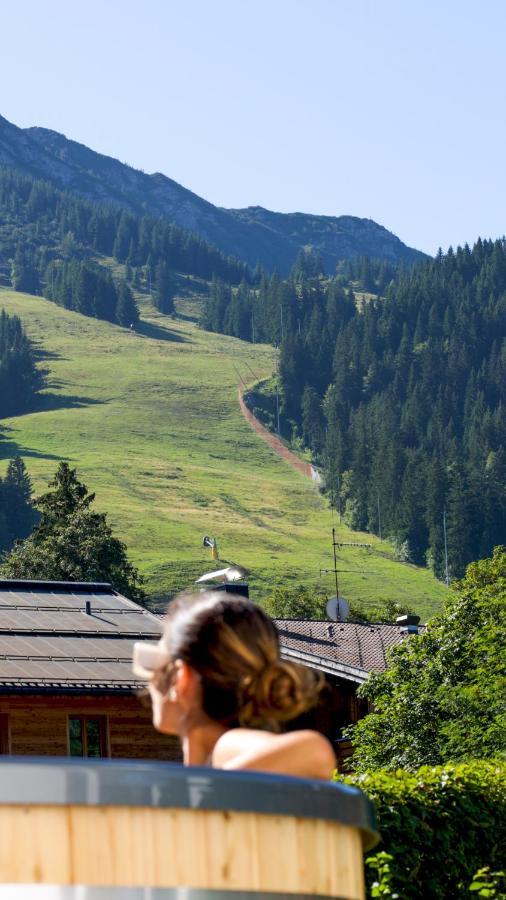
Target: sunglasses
147, 658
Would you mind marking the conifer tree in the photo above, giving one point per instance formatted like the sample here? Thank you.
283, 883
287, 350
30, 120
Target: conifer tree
20, 380
312, 419
124, 237
71, 542
127, 312
16, 502
24, 275
164, 288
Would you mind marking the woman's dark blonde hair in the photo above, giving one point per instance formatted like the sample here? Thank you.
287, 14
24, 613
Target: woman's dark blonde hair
234, 647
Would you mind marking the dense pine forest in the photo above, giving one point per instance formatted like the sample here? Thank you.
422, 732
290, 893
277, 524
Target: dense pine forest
398, 393
50, 242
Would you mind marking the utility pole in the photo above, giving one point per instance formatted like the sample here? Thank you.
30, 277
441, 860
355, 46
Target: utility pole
379, 517
335, 560
447, 574
335, 569
277, 392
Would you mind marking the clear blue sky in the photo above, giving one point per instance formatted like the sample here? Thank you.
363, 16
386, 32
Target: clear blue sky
393, 110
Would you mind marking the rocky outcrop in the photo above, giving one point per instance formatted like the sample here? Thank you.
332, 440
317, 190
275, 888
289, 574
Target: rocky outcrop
254, 234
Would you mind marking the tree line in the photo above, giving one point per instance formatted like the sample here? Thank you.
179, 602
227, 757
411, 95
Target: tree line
89, 289
37, 213
50, 242
400, 397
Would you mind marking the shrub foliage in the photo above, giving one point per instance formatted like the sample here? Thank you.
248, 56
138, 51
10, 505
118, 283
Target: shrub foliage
440, 827
443, 696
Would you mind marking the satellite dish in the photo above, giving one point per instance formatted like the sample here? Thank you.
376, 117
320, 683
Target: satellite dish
337, 609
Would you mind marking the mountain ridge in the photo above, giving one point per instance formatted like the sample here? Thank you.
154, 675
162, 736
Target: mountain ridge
254, 234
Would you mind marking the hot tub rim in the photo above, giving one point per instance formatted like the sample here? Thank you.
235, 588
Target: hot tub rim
35, 781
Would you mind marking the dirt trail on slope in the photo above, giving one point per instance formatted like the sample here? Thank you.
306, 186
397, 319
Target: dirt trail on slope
276, 443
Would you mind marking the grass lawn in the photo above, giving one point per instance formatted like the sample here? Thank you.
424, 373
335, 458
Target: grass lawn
152, 423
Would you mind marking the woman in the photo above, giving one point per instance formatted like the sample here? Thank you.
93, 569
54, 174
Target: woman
216, 680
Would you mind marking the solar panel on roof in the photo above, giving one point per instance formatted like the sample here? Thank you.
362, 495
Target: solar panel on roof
49, 641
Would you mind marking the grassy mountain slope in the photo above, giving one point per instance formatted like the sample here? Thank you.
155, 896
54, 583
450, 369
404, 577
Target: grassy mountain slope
254, 234
152, 423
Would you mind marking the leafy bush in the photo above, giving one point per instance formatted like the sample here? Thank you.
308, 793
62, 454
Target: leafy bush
443, 831
443, 695
298, 602
489, 884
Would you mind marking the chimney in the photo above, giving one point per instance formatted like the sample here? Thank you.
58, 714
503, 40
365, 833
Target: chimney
230, 587
88, 607
408, 624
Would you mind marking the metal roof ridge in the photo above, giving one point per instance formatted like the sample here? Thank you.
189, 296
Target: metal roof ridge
326, 664
83, 587
59, 632
72, 609
331, 622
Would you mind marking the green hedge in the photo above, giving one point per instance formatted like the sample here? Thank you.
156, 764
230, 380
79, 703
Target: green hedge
443, 831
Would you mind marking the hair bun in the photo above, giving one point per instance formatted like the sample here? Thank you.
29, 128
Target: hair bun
277, 693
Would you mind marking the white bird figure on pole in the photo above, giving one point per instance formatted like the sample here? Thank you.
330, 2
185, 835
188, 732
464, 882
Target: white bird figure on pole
229, 574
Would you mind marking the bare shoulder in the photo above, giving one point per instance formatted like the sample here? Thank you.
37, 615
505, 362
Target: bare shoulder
307, 754
239, 740
318, 752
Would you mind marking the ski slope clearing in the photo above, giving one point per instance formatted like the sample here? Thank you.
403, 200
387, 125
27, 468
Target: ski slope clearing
152, 422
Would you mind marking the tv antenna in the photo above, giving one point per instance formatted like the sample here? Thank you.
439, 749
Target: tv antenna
335, 570
337, 608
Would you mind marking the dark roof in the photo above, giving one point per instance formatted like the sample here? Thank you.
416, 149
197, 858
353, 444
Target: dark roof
49, 642
344, 649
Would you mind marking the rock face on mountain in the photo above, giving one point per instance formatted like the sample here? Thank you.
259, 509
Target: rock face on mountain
254, 234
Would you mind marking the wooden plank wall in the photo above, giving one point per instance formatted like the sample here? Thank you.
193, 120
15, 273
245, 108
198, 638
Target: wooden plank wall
37, 725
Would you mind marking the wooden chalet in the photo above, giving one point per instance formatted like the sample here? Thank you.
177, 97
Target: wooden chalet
66, 682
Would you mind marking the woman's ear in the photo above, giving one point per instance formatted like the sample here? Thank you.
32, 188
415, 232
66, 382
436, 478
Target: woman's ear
185, 685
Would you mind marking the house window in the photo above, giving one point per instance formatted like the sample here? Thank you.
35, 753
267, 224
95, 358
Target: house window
88, 736
5, 737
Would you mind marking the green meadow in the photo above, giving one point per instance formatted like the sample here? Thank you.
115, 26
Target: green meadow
151, 421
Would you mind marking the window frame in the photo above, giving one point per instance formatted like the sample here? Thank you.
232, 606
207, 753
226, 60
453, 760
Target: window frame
103, 726
5, 734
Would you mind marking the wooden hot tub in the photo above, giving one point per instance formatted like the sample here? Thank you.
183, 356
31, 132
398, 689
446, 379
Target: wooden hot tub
131, 830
